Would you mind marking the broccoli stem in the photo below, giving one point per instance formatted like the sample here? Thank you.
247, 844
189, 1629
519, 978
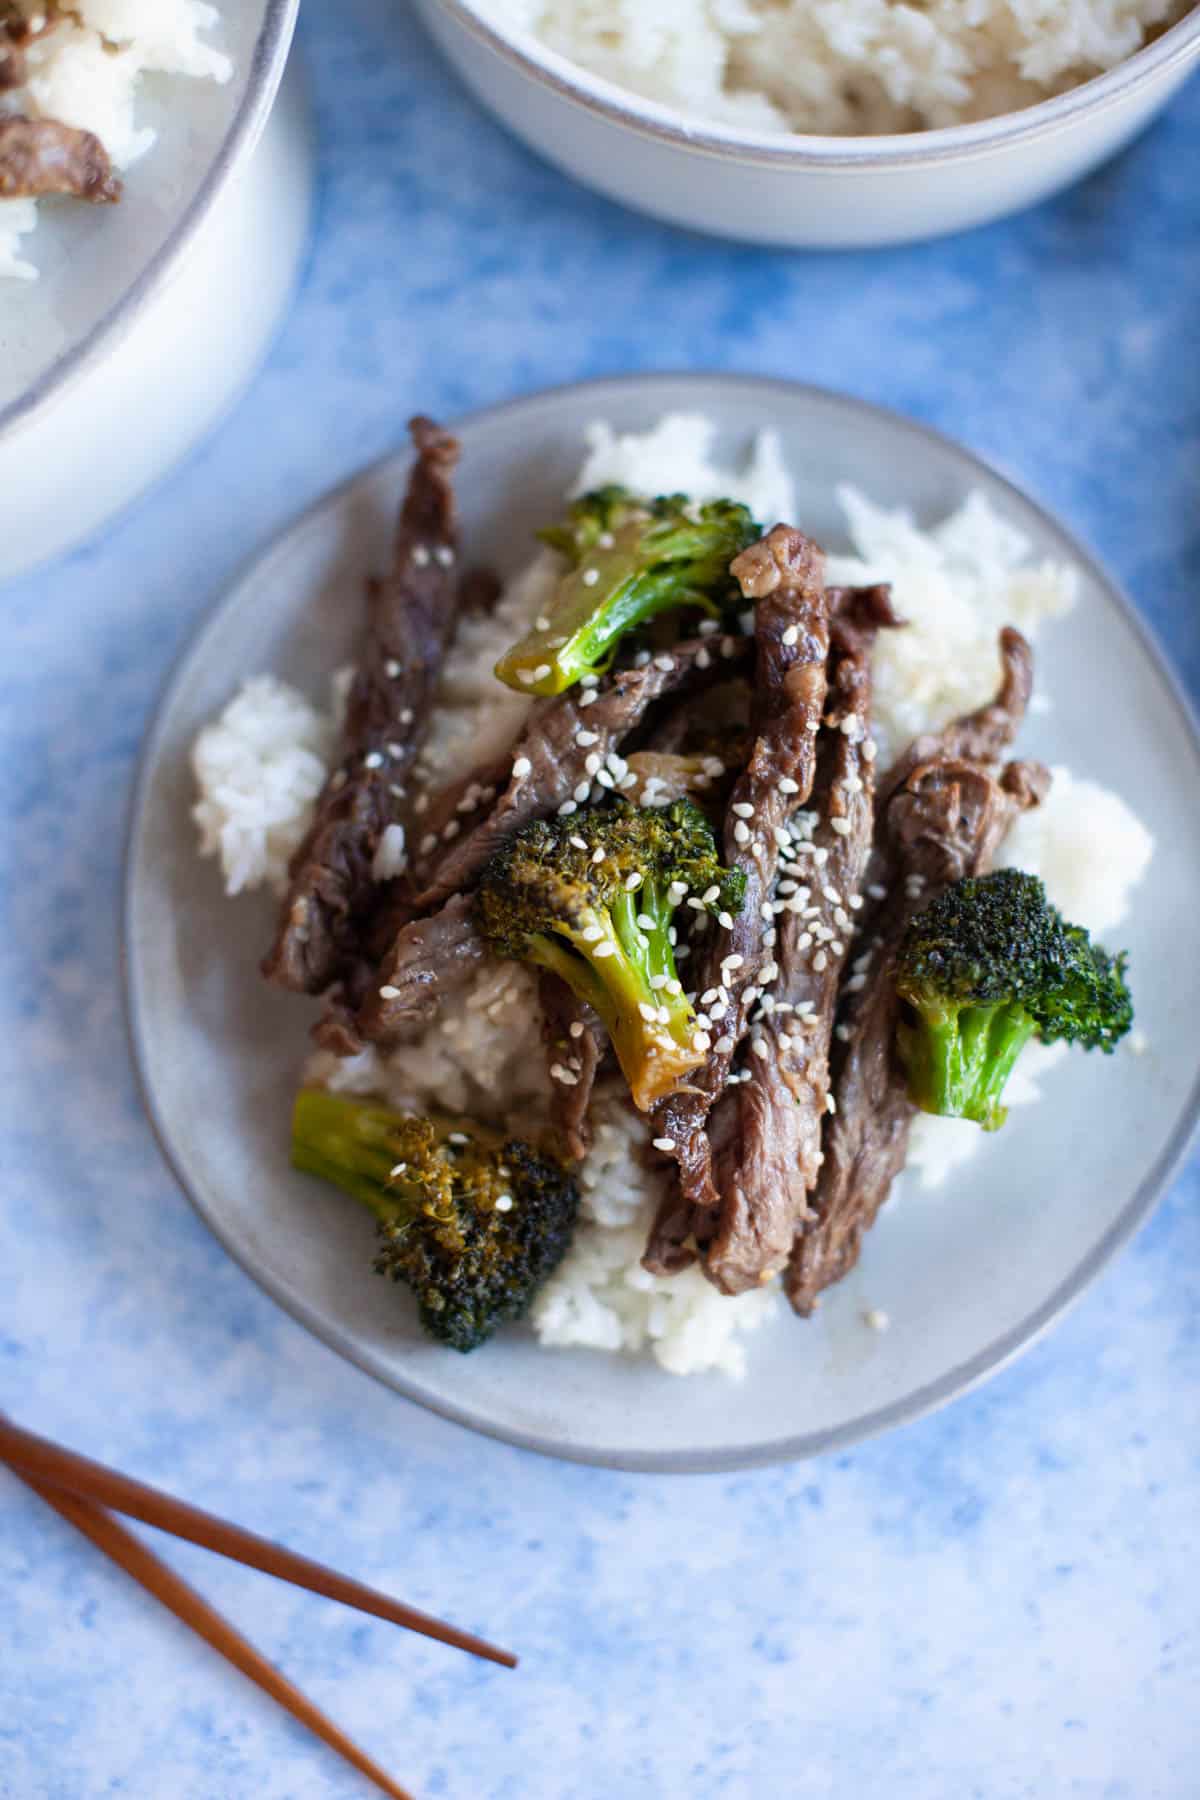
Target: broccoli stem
623, 988
958, 1059
346, 1141
595, 606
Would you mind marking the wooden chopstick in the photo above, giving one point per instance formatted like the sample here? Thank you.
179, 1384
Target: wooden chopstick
49, 1463
175, 1594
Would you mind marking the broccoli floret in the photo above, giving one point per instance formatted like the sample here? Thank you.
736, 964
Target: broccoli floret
592, 898
983, 969
630, 560
473, 1222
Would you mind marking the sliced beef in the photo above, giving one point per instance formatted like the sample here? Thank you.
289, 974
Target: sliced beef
576, 1042
949, 806
411, 621
773, 1156
40, 156
431, 960
784, 574
555, 768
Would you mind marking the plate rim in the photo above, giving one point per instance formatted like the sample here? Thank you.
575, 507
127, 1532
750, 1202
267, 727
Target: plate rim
962, 1377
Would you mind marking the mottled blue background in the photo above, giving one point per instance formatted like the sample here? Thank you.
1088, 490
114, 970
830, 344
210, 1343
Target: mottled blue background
999, 1601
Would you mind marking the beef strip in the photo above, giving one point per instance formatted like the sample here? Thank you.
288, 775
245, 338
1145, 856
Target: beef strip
40, 156
576, 1042
432, 959
411, 620
558, 762
772, 1158
18, 30
784, 574
949, 808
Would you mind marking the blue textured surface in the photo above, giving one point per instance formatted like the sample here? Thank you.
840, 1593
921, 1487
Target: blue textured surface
999, 1601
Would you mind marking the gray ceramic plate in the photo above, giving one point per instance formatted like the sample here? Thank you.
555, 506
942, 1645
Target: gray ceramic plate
968, 1276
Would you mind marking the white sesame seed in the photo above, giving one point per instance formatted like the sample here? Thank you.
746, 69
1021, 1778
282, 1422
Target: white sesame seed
606, 949
504, 1202
664, 1143
788, 786
876, 891
759, 1046
444, 555
726, 920
658, 981
703, 659
841, 826
733, 961
742, 809
581, 792
741, 832
373, 761
869, 751
526, 676
397, 1169
708, 628
598, 855
567, 808
642, 660
541, 672
791, 634
522, 767
820, 962
645, 922
590, 577
589, 681
542, 622
674, 987
428, 843
585, 699
606, 540
420, 556
389, 993
723, 1046
647, 1011
875, 1319
391, 669
457, 1137
586, 738
728, 647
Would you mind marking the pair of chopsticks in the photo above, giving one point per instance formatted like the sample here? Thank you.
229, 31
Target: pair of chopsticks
80, 1490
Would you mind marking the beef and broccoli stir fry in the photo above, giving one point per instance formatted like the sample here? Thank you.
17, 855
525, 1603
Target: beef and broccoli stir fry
781, 950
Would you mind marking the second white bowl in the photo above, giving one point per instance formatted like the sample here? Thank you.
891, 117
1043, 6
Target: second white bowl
805, 192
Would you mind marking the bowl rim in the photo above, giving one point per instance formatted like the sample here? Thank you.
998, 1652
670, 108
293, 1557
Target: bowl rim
619, 106
953, 1382
245, 128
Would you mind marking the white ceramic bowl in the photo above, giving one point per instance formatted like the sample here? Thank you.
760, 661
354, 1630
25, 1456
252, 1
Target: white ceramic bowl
146, 318
806, 192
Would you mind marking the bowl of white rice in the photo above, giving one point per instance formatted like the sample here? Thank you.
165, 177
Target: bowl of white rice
170, 293
822, 123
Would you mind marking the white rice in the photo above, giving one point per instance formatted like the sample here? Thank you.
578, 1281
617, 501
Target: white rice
259, 769
87, 71
840, 67
260, 766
